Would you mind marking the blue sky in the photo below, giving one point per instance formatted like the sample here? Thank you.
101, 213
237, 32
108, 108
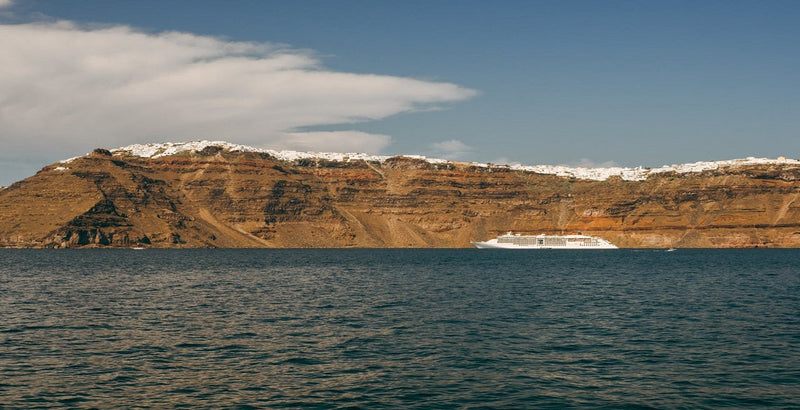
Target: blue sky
535, 82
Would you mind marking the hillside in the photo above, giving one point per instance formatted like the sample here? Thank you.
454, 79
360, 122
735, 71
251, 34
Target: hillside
214, 194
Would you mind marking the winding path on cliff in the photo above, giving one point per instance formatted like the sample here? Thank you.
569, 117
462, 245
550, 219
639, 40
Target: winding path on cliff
208, 217
785, 208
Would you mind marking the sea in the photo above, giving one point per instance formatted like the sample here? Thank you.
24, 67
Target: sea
400, 328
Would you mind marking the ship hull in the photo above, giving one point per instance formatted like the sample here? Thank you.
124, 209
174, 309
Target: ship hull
545, 242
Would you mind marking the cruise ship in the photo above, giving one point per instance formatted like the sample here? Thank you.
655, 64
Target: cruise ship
572, 241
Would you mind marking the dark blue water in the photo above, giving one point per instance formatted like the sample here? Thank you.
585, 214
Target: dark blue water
400, 328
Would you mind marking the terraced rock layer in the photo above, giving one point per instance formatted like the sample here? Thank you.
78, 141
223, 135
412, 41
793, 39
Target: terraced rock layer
221, 198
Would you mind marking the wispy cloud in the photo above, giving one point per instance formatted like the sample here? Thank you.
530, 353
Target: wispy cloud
581, 163
5, 3
450, 149
504, 161
67, 86
588, 163
334, 141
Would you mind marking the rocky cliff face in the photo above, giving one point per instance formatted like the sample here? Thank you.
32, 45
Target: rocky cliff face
222, 197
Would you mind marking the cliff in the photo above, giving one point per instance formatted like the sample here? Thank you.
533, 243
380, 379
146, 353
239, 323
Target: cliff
221, 195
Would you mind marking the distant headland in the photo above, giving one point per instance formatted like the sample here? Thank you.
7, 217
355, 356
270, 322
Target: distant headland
218, 194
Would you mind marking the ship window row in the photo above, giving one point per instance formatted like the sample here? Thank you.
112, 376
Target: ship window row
523, 241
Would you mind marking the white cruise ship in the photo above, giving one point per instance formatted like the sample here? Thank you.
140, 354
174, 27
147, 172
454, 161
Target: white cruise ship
572, 241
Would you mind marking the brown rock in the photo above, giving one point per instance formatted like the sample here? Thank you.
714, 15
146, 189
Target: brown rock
217, 198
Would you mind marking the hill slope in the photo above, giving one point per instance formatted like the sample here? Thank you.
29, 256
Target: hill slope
213, 194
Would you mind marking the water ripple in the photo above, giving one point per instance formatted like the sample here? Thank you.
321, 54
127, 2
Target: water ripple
399, 328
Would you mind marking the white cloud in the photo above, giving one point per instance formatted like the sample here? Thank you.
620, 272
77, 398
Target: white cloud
450, 149
68, 87
588, 163
5, 3
504, 161
334, 141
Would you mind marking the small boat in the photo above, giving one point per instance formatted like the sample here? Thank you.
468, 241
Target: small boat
571, 241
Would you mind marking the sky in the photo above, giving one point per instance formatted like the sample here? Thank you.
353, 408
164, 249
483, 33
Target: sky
581, 83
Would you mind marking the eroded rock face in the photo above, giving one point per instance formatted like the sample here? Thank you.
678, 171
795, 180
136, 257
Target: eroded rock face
219, 198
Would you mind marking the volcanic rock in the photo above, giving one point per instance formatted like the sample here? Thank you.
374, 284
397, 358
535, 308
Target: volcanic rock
224, 195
